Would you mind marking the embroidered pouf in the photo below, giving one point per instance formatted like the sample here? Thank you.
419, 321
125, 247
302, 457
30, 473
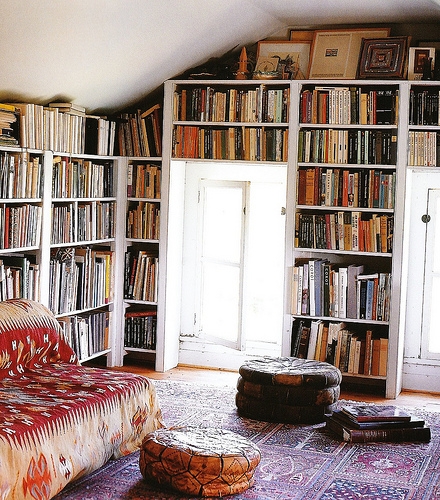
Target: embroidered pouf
287, 390
199, 461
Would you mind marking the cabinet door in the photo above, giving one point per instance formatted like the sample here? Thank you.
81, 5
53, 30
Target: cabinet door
431, 285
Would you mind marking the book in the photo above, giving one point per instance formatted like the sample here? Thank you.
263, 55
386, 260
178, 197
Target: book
344, 419
68, 107
392, 434
375, 413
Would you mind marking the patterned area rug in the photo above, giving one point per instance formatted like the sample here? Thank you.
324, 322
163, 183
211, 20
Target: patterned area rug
298, 461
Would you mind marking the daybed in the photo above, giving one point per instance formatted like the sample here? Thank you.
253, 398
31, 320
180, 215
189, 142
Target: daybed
60, 420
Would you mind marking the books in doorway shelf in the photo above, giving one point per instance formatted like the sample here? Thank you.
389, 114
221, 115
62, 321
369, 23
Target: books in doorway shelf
398, 430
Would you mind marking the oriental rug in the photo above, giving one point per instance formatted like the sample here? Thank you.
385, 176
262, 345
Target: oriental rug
298, 461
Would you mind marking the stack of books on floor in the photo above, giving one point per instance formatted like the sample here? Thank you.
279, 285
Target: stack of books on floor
369, 423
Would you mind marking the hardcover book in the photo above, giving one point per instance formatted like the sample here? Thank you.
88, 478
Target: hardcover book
345, 420
375, 413
391, 434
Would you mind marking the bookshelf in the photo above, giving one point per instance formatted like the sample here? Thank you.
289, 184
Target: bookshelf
82, 260
141, 263
353, 135
21, 209
346, 184
247, 122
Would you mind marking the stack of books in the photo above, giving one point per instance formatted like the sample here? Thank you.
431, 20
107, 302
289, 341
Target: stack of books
8, 117
370, 423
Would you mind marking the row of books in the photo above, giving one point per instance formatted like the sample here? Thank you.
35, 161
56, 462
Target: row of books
66, 128
208, 104
140, 329
141, 270
87, 334
79, 178
71, 222
353, 352
140, 133
365, 423
321, 288
424, 106
20, 175
19, 278
345, 230
20, 226
369, 147
143, 180
230, 143
348, 105
335, 187
143, 220
80, 278
424, 148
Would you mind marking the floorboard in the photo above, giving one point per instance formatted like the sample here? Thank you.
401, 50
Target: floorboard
429, 401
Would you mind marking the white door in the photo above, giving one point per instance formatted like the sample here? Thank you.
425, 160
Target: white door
220, 261
431, 286
233, 256
421, 368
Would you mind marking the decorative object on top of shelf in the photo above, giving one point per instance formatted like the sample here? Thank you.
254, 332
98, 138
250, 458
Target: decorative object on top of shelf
421, 63
383, 57
335, 53
293, 58
435, 44
244, 66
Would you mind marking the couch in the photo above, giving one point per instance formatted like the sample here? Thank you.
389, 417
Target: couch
60, 420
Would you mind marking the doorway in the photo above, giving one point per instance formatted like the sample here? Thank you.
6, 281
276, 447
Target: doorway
233, 271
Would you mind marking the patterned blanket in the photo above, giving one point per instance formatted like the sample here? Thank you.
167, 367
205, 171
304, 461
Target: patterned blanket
59, 420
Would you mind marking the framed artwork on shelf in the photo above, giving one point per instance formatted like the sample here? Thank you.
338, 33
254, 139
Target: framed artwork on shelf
421, 62
383, 57
302, 35
292, 56
335, 53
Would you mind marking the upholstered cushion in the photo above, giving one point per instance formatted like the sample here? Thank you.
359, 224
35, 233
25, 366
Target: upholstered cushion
199, 461
30, 337
291, 372
289, 395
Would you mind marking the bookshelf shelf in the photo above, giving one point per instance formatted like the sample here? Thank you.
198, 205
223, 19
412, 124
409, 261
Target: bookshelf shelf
362, 123
142, 254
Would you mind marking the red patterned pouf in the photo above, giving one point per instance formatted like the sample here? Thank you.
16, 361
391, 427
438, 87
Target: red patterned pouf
199, 461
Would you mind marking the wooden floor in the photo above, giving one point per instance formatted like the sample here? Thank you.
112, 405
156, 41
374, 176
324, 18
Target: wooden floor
428, 401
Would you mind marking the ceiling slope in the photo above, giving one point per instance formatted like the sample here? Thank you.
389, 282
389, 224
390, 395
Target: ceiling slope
109, 54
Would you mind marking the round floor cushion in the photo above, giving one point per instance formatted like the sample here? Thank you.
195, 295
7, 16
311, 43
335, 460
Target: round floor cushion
269, 411
288, 394
291, 372
199, 461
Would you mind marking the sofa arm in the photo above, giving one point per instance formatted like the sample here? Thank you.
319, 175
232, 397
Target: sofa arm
30, 337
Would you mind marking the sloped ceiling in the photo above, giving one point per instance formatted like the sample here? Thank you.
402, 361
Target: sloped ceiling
109, 54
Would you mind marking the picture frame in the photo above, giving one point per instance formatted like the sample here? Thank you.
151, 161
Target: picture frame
417, 60
293, 56
302, 35
383, 58
335, 53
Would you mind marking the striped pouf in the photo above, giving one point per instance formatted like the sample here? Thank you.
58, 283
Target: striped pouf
287, 390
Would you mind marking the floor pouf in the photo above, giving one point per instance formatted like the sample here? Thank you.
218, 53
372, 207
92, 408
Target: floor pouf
199, 461
287, 390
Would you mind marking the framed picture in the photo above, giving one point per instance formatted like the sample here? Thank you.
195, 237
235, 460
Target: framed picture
302, 35
418, 59
293, 56
335, 53
383, 58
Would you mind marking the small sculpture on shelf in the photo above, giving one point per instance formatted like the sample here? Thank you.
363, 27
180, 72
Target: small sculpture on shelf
243, 66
